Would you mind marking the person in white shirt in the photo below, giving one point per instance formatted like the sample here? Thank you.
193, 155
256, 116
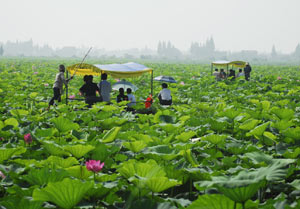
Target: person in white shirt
216, 74
105, 88
240, 73
131, 98
58, 85
164, 95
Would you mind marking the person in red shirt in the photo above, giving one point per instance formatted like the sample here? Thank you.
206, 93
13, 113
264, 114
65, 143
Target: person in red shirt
149, 101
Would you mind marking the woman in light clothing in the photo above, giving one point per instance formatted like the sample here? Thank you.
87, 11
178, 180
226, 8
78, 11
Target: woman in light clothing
58, 85
164, 95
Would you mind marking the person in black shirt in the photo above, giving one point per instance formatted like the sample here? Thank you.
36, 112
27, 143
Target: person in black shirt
247, 71
121, 97
89, 90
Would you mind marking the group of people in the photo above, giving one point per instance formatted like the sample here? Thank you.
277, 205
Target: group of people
222, 74
91, 91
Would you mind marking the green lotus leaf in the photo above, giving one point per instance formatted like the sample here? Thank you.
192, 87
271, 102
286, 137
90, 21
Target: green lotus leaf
135, 146
161, 151
44, 132
79, 172
66, 194
61, 162
169, 128
214, 139
15, 202
282, 124
293, 133
231, 113
292, 153
11, 122
148, 169
159, 184
44, 176
19, 112
218, 125
189, 156
283, 114
54, 149
111, 135
185, 136
296, 184
167, 119
28, 162
217, 201
266, 105
249, 124
78, 150
258, 130
7, 153
64, 125
269, 135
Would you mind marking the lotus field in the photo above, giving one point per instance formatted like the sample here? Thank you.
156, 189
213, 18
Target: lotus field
220, 145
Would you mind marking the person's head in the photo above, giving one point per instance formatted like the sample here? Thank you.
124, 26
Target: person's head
90, 78
164, 85
216, 69
128, 91
103, 76
121, 90
222, 70
85, 78
240, 70
61, 68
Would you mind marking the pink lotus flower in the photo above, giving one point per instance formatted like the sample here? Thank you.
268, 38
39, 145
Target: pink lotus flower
28, 138
182, 83
71, 96
117, 80
2, 175
298, 80
94, 165
35, 73
1, 139
46, 84
278, 78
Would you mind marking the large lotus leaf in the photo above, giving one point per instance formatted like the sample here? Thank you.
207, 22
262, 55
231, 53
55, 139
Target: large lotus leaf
44, 176
142, 137
19, 112
6, 153
161, 151
111, 135
15, 202
259, 157
217, 201
231, 113
11, 122
218, 125
258, 130
78, 150
101, 152
54, 149
265, 105
214, 139
147, 169
185, 136
249, 124
269, 135
61, 162
159, 184
79, 172
28, 162
150, 204
135, 146
293, 133
64, 125
282, 124
44, 132
66, 194
283, 114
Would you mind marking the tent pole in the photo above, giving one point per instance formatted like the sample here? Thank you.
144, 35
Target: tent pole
152, 83
227, 71
211, 69
67, 88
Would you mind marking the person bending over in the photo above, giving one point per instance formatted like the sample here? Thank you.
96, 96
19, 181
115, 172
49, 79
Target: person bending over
164, 95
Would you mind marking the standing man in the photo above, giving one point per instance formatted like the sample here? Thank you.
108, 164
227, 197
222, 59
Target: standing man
105, 88
58, 85
247, 71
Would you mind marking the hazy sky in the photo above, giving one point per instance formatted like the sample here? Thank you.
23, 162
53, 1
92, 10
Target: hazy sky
120, 24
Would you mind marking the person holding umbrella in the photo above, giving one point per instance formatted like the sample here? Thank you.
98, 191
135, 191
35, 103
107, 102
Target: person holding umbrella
164, 95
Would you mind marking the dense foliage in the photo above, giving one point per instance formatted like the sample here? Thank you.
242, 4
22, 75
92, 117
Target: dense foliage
227, 144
